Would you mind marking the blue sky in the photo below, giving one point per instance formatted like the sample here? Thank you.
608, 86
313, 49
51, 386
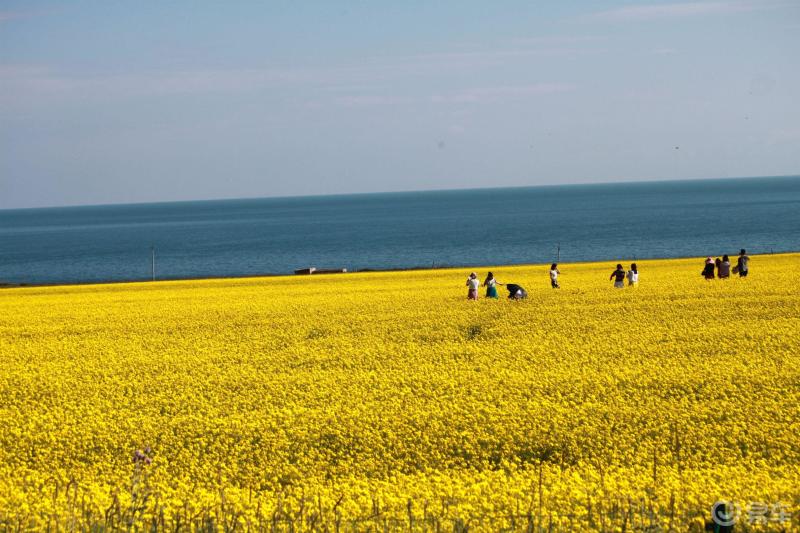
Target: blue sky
107, 102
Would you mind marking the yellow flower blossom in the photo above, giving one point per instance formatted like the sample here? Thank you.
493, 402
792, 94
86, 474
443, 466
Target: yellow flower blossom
387, 400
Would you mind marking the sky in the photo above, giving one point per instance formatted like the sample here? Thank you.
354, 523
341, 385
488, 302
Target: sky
122, 102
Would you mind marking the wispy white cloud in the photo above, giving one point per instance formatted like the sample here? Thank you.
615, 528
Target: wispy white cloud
33, 80
558, 40
503, 92
784, 136
5, 16
25, 82
9, 15
372, 100
641, 12
664, 51
478, 58
473, 95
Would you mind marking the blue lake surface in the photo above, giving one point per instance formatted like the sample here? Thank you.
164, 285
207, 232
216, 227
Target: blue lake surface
621, 221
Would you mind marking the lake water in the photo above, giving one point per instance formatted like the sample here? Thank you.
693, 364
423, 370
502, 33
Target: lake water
400, 230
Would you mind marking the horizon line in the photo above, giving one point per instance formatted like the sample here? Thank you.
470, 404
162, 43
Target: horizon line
402, 191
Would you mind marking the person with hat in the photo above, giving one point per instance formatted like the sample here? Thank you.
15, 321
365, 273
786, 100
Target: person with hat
472, 286
708, 270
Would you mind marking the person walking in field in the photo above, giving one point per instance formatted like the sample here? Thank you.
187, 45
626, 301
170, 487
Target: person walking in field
708, 270
724, 268
743, 264
619, 277
516, 292
633, 275
554, 272
491, 284
472, 286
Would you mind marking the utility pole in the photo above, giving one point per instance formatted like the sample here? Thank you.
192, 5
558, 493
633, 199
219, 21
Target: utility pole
153, 261
558, 253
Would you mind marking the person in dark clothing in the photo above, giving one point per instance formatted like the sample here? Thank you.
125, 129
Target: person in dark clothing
743, 264
619, 277
708, 270
516, 292
717, 264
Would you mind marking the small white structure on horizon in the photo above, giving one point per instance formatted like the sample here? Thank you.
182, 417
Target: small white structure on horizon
315, 270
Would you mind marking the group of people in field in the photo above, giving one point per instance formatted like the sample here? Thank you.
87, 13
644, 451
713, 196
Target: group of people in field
515, 292
720, 268
620, 275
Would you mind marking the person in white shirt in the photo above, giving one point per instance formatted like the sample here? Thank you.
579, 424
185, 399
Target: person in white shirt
473, 283
554, 276
633, 275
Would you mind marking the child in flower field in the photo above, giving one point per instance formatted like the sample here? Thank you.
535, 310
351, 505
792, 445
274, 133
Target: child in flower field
633, 275
491, 285
619, 277
473, 284
554, 276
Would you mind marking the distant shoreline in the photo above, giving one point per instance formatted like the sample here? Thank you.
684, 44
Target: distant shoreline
300, 197
361, 271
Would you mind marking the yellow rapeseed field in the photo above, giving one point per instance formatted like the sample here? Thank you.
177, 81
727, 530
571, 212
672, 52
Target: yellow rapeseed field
388, 401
